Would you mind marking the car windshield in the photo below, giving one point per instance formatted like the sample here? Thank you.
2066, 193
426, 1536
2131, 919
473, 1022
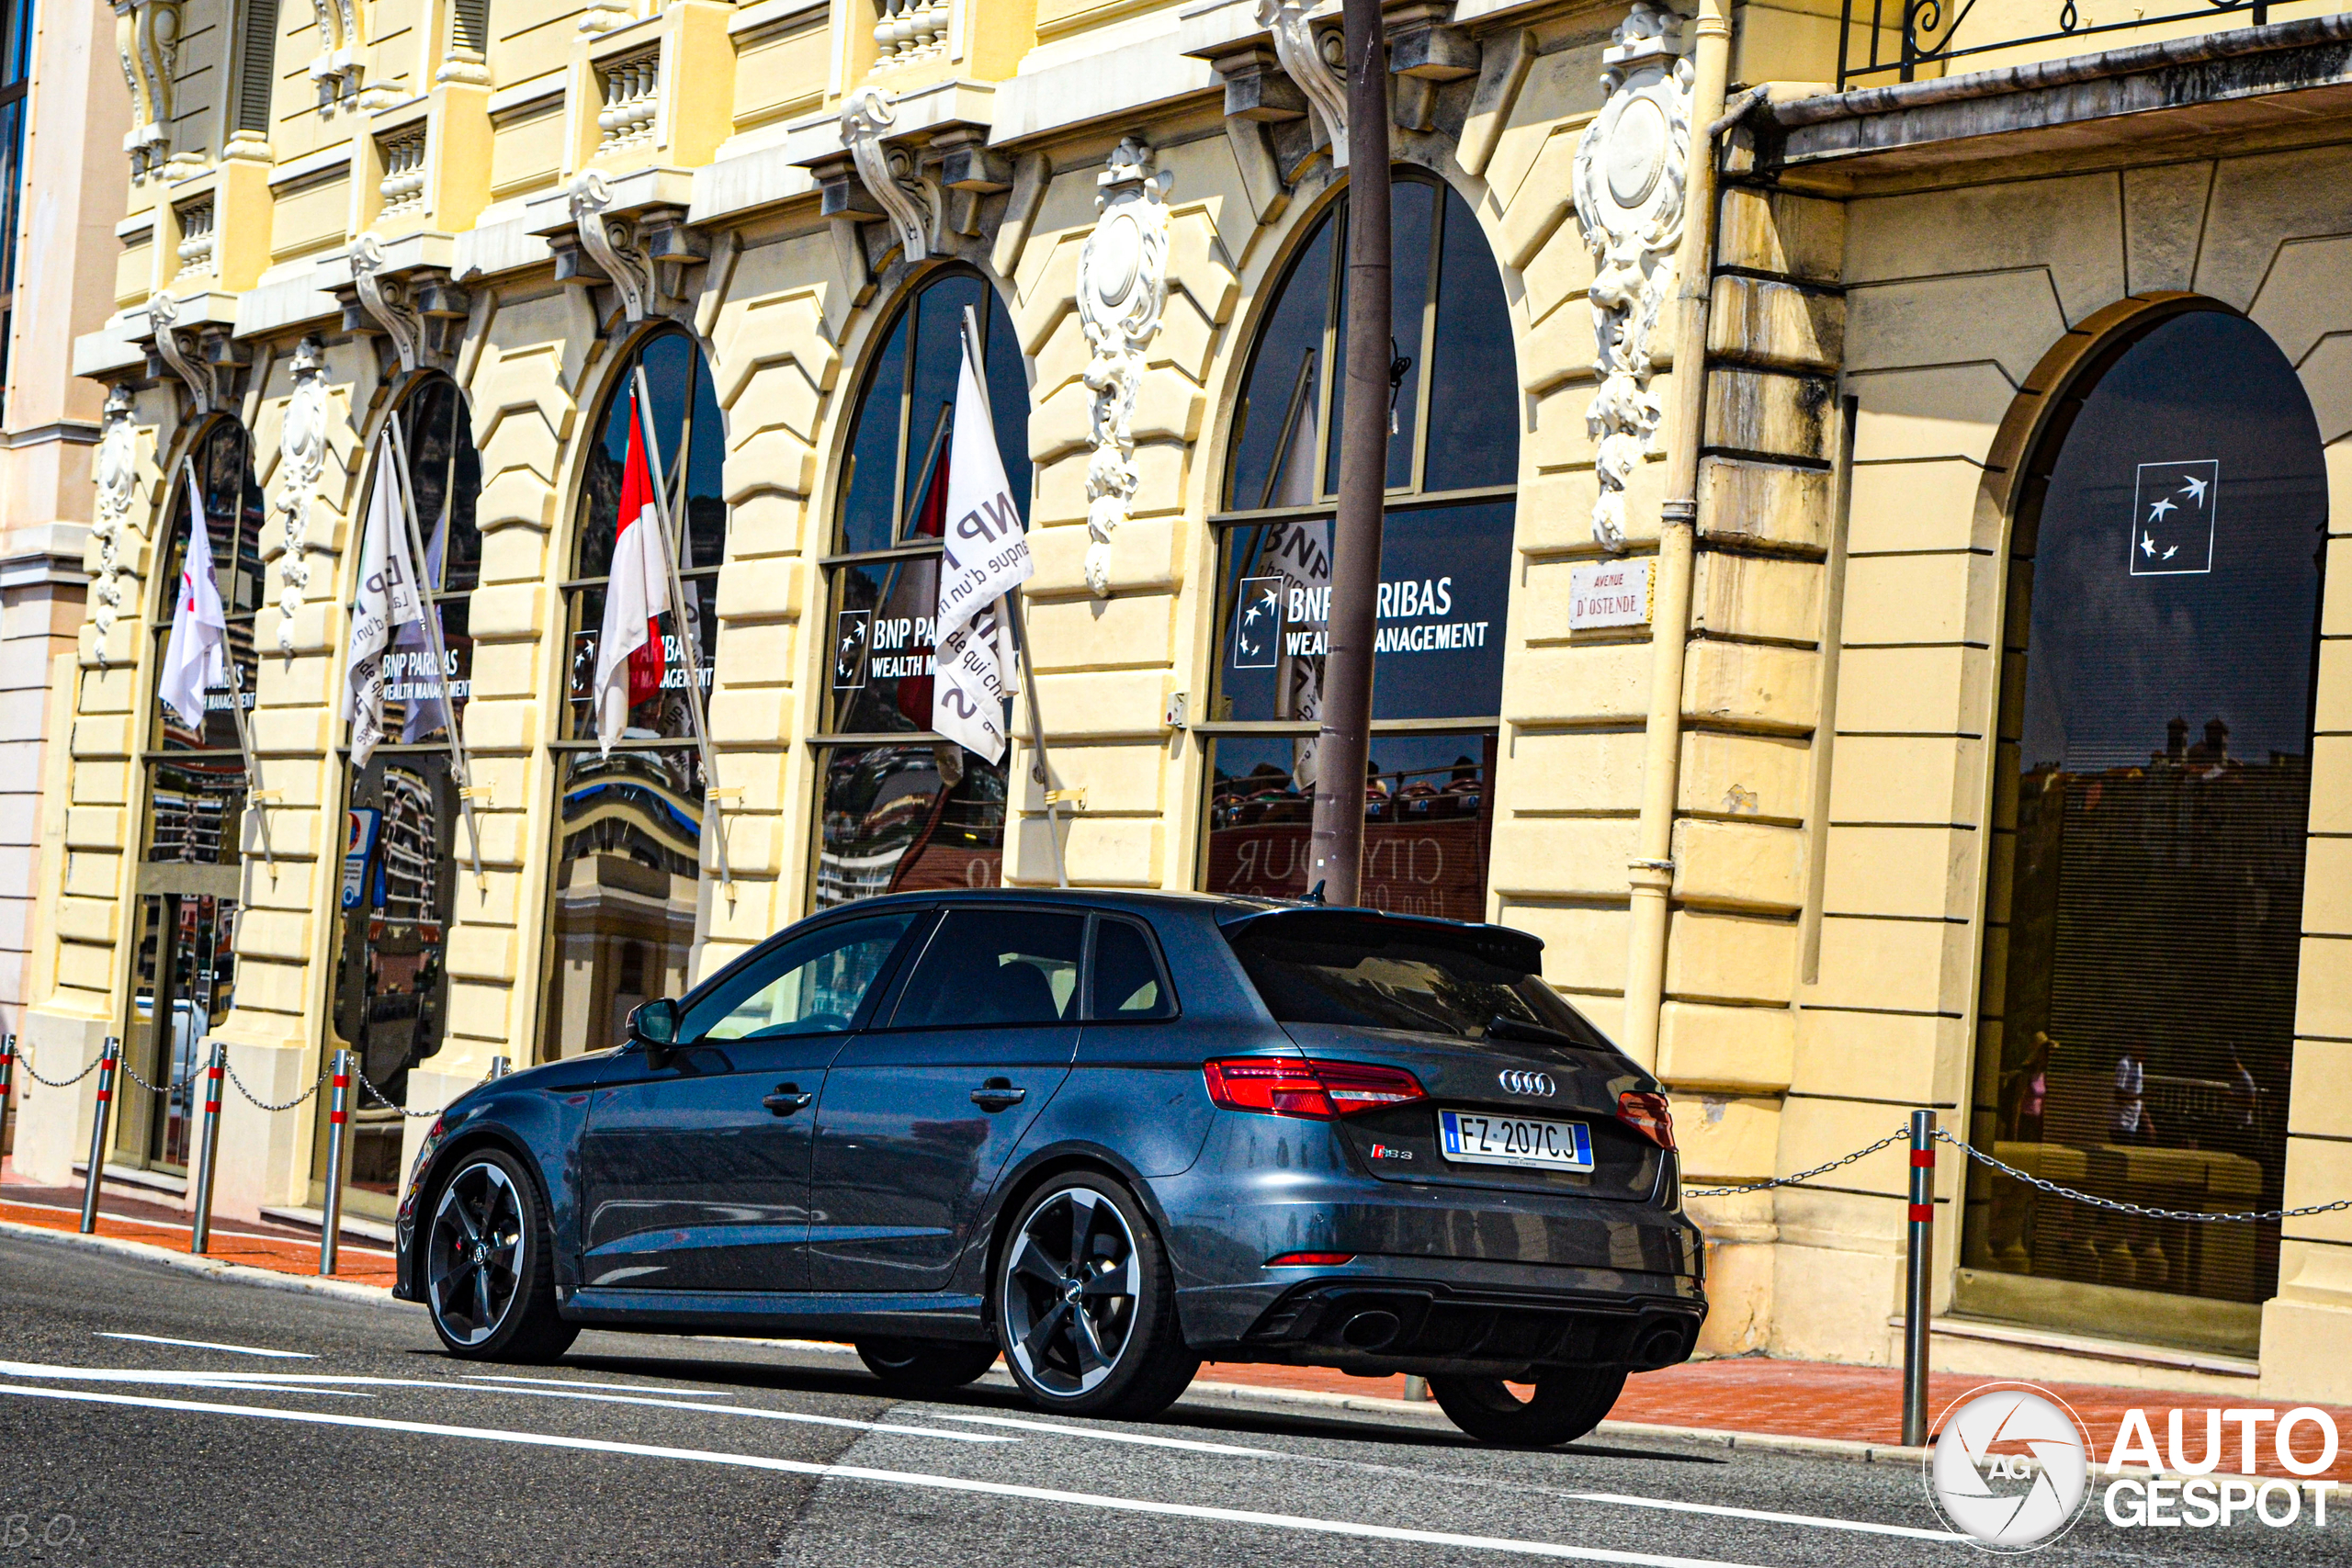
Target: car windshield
1372, 974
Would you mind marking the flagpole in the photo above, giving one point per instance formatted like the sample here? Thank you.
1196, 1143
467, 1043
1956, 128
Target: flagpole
460, 767
1041, 769
254, 791
711, 791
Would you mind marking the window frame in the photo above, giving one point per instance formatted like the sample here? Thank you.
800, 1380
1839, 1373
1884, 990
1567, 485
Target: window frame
1175, 1003
947, 911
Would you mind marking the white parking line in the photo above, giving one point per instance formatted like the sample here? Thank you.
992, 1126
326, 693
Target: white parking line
208, 1345
1300, 1522
570, 1382
1101, 1436
1723, 1511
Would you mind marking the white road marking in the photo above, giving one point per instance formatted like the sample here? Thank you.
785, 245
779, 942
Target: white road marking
319, 1383
1299, 1522
1723, 1511
1102, 1437
568, 1383
208, 1345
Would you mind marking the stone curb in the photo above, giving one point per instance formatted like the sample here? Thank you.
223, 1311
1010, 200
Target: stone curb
212, 1268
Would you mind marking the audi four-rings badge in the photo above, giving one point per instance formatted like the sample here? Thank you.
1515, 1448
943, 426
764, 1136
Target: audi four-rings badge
1515, 1081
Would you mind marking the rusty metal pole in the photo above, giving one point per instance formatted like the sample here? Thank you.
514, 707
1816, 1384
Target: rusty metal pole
1336, 849
109, 1057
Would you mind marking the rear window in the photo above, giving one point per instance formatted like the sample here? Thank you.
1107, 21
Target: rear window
1368, 974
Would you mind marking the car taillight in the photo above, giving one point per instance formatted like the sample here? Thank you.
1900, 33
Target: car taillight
1293, 1085
1648, 1114
1310, 1259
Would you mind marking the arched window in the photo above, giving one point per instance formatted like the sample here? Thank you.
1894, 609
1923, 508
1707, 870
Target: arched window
902, 809
628, 845
184, 949
2154, 795
397, 875
1444, 569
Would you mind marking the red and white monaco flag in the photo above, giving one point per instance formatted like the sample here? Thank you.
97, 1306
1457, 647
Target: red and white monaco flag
628, 649
196, 654
986, 556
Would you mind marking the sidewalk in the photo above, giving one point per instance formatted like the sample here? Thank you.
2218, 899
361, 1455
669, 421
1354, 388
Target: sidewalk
1750, 1395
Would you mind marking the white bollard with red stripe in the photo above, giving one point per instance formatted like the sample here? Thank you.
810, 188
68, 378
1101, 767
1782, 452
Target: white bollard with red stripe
338, 1139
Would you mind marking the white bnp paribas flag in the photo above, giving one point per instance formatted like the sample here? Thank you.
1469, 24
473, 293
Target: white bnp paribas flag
387, 602
986, 556
196, 654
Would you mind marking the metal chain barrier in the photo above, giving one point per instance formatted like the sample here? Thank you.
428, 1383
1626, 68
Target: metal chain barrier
155, 1088
1889, 1141
2120, 1207
263, 1104
32, 1072
379, 1095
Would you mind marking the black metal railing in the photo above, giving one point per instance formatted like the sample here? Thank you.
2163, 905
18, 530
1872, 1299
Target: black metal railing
1918, 35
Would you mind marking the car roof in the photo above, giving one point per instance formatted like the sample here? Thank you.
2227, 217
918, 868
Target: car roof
1227, 910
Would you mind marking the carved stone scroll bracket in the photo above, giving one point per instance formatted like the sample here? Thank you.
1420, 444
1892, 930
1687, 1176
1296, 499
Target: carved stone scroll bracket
1300, 52
115, 466
610, 240
301, 459
417, 310
890, 174
384, 297
644, 251
1630, 163
204, 357
1122, 297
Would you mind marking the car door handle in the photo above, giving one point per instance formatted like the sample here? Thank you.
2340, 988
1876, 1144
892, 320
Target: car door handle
997, 1094
786, 1099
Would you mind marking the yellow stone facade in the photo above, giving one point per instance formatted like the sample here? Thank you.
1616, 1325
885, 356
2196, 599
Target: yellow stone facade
1892, 323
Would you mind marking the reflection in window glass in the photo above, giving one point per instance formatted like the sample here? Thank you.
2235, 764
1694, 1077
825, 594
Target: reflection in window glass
184, 968
890, 823
1126, 978
1428, 821
222, 456
812, 985
629, 858
2161, 764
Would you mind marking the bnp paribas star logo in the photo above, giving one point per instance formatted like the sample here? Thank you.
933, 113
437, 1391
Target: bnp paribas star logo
2172, 526
2011, 1467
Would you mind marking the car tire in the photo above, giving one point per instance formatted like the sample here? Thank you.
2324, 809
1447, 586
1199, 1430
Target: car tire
1085, 1303
1564, 1407
488, 1265
926, 1366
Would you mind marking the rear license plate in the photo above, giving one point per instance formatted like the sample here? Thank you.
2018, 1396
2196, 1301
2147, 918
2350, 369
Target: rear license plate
1474, 1138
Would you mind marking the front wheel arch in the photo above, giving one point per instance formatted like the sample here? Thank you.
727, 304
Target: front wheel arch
1047, 1168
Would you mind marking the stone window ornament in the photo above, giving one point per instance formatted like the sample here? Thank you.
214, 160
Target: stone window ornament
1122, 295
301, 459
1629, 167
1322, 80
116, 467
147, 37
888, 172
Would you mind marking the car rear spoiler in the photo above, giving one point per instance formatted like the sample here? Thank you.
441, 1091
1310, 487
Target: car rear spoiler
1310, 922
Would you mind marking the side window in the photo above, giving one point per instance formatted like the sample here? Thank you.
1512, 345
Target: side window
811, 987
1128, 983
995, 966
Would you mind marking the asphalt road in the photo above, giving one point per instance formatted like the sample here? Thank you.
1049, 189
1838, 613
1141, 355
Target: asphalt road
358, 1442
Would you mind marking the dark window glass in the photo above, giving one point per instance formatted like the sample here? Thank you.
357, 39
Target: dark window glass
891, 823
629, 858
1429, 820
891, 818
812, 985
1366, 974
446, 472
993, 966
2141, 1008
222, 457
1274, 444
1444, 592
184, 967
1474, 368
1128, 982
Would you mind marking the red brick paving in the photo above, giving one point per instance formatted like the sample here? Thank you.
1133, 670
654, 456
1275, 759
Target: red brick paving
1747, 1393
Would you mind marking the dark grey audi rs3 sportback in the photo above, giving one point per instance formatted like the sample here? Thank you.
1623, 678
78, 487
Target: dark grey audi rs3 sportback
1108, 1134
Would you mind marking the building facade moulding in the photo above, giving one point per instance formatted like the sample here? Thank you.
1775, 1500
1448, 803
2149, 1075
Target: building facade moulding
630, 231
193, 340
920, 163
1122, 295
1630, 163
403, 291
117, 469
1316, 73
147, 38
301, 459
890, 174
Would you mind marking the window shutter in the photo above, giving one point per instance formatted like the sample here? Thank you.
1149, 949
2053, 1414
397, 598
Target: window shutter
256, 65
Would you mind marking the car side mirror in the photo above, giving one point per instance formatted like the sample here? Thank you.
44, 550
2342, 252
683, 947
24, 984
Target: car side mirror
653, 1028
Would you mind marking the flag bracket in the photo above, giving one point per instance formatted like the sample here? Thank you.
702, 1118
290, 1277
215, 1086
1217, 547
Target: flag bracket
1073, 798
460, 768
644, 400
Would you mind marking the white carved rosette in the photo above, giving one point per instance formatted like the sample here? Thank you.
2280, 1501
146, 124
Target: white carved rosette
117, 467
1629, 167
1122, 295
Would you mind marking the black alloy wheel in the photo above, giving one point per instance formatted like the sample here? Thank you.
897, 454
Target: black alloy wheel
926, 1366
1086, 1303
1565, 1405
488, 1265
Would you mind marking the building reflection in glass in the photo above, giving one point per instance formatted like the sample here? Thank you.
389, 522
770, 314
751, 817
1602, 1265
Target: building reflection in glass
626, 875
